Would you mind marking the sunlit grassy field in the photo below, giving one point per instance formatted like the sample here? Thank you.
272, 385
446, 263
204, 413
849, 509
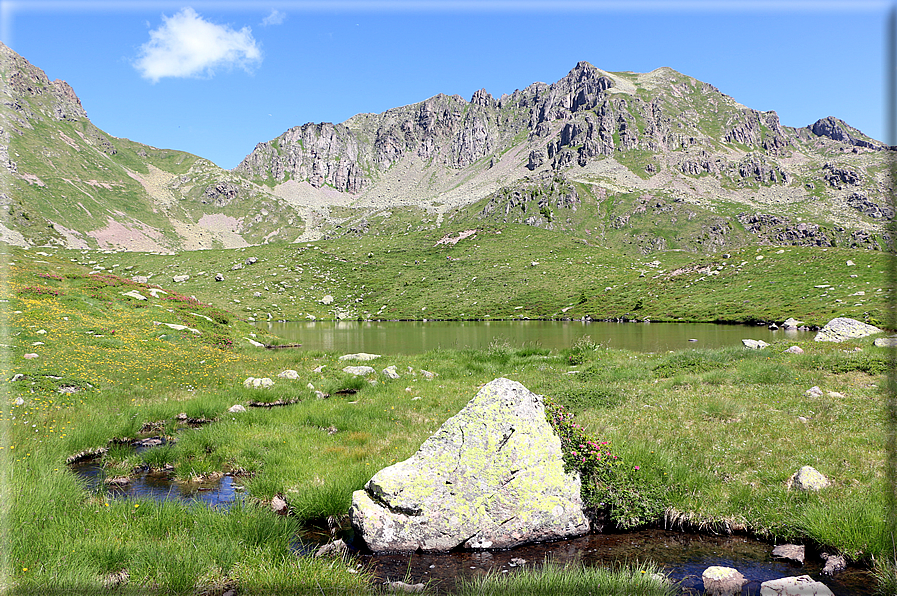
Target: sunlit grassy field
707, 439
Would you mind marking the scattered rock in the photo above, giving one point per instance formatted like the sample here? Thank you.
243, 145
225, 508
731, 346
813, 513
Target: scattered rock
236, 409
842, 328
256, 294
428, 375
492, 476
279, 505
321, 395
20, 376
833, 563
328, 299
363, 356
790, 552
180, 278
807, 479
288, 374
754, 344
403, 587
835, 395
333, 549
886, 342
116, 580
140, 279
178, 327
320, 369
154, 292
257, 344
19, 401
359, 371
117, 481
29, 356
814, 391
517, 562
219, 277
251, 261
802, 585
791, 323
237, 267
260, 382
722, 581
390, 371
134, 294
794, 350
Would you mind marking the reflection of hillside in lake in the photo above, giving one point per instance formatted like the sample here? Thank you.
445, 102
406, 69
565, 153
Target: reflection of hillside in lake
415, 337
681, 556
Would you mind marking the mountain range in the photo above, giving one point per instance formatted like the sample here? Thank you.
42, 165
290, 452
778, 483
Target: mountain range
629, 161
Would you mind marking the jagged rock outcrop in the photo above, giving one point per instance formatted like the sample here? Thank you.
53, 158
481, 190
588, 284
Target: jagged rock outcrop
492, 476
838, 130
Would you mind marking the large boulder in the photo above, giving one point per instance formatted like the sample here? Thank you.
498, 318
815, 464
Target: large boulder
843, 328
492, 476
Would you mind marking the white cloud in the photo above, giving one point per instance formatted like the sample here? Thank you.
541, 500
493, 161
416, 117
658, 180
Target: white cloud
275, 18
186, 45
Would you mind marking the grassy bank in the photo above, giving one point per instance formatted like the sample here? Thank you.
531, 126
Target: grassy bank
517, 272
706, 438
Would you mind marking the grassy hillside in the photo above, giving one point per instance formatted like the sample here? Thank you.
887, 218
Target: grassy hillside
518, 271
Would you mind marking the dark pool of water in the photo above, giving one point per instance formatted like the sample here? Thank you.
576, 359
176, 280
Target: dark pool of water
416, 337
682, 556
160, 487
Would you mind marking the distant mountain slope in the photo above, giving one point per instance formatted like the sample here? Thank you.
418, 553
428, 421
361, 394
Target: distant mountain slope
67, 182
635, 162
633, 139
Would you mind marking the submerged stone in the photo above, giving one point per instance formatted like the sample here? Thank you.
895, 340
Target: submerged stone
722, 581
802, 585
492, 476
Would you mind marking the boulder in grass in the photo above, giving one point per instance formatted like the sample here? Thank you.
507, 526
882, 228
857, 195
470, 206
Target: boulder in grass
492, 476
842, 328
886, 342
255, 383
288, 374
794, 350
359, 371
808, 478
363, 356
754, 344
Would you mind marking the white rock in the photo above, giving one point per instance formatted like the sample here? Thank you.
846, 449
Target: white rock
359, 370
794, 350
236, 408
134, 294
258, 382
363, 356
328, 299
802, 585
814, 391
288, 374
754, 344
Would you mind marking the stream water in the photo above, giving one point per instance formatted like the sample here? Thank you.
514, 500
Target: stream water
681, 556
415, 337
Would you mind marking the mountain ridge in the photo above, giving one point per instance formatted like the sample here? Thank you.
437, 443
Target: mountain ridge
634, 139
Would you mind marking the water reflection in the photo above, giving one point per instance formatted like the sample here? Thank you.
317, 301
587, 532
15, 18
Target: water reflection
415, 337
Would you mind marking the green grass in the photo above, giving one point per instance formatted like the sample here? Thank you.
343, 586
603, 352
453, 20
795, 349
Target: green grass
705, 438
555, 580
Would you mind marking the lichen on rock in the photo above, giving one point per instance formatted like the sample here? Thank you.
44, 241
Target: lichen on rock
492, 476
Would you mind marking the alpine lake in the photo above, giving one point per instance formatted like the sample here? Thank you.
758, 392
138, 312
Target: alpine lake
682, 556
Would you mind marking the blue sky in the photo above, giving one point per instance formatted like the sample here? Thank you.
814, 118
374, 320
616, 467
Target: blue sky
215, 78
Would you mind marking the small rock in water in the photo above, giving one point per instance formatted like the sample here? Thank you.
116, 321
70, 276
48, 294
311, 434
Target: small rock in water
790, 552
833, 563
722, 581
332, 549
802, 585
403, 587
518, 562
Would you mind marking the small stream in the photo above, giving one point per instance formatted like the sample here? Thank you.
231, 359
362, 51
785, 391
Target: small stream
681, 556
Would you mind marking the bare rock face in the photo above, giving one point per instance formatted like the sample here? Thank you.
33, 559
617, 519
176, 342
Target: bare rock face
842, 328
491, 477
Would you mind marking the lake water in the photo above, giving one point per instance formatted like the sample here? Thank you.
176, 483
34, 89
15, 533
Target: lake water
415, 337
